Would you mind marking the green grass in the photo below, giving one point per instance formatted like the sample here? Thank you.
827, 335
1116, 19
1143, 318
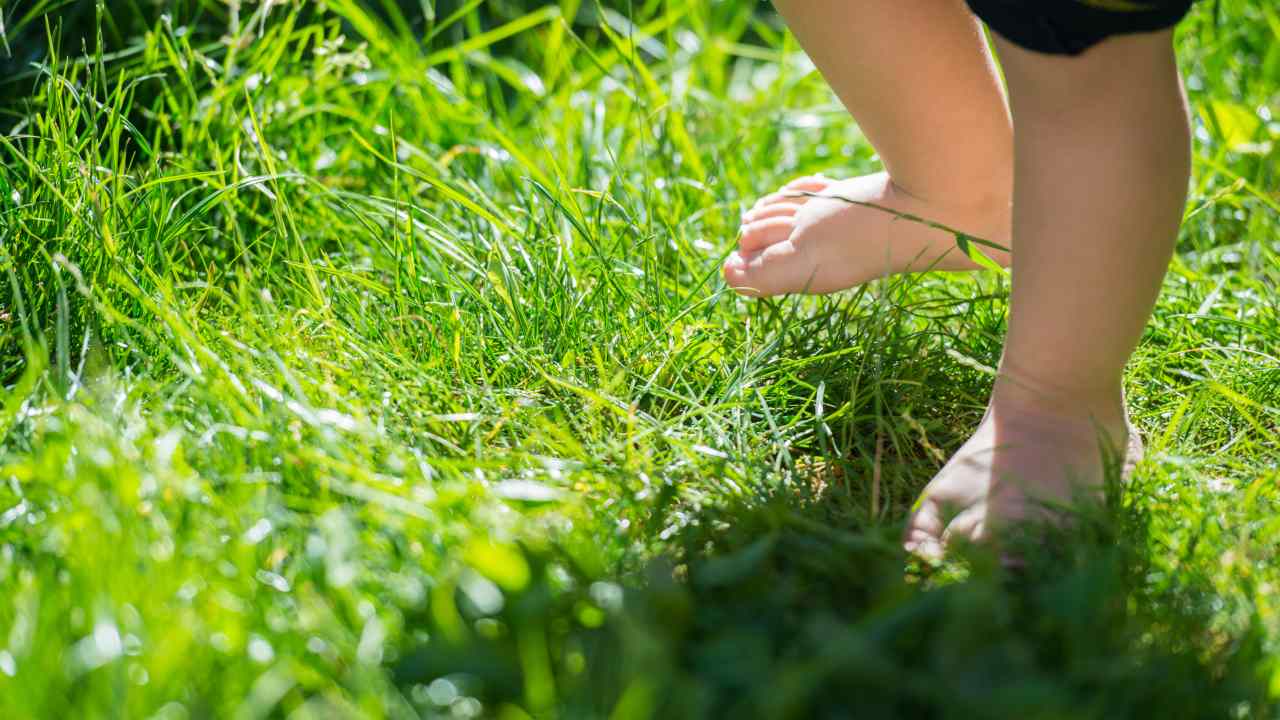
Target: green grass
364, 365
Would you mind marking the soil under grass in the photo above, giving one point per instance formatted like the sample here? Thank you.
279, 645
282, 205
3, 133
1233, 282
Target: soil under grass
361, 363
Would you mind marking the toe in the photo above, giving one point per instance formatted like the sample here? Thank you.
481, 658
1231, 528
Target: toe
812, 183
782, 209
923, 535
782, 196
736, 274
759, 235
970, 526
792, 191
778, 269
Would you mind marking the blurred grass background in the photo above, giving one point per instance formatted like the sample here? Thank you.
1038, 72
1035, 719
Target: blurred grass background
369, 359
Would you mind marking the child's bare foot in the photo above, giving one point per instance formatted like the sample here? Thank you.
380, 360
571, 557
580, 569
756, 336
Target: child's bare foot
1025, 459
797, 243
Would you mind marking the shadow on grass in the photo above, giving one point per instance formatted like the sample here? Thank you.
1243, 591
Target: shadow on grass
770, 610
798, 602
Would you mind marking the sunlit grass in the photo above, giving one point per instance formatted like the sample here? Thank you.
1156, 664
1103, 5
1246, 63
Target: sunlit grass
360, 365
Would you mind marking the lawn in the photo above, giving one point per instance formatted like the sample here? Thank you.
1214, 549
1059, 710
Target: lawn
370, 359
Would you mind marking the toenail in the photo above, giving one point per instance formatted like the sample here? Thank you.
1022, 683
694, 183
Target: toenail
735, 262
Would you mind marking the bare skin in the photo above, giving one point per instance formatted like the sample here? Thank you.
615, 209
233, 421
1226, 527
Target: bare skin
800, 243
919, 80
1102, 162
1103, 159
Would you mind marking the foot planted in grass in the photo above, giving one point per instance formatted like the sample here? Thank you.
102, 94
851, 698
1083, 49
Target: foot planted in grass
816, 235
1033, 457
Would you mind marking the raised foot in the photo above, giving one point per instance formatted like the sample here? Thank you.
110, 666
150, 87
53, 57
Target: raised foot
1022, 464
792, 242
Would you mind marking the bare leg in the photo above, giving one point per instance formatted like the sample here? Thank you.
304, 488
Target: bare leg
1102, 162
919, 80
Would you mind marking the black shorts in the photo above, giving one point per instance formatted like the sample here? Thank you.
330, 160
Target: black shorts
1069, 27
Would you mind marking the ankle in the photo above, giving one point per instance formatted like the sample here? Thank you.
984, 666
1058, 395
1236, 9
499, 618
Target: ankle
1080, 409
980, 209
991, 196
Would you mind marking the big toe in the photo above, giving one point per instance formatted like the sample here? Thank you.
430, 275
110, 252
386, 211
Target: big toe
736, 273
778, 269
925, 528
